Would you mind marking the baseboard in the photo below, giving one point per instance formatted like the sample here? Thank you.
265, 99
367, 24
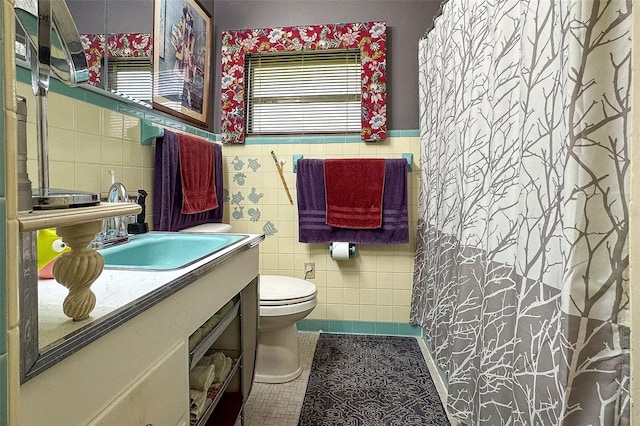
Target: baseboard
439, 380
360, 327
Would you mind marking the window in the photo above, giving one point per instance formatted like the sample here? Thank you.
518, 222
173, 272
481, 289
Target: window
239, 46
304, 92
130, 76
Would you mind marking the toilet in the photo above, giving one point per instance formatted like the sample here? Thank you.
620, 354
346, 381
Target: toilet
283, 302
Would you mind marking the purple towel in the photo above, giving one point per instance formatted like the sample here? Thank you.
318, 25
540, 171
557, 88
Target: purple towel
312, 214
167, 188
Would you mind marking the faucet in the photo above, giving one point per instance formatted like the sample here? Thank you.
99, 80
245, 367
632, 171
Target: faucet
114, 229
117, 191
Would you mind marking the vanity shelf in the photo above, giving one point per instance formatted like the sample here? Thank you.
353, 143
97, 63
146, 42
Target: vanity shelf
207, 341
223, 333
215, 409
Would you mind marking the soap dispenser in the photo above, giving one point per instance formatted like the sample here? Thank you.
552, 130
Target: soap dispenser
140, 227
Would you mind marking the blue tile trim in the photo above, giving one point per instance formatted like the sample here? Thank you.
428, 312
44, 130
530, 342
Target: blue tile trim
111, 103
409, 133
360, 327
291, 140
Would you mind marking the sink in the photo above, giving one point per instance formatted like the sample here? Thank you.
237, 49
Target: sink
165, 250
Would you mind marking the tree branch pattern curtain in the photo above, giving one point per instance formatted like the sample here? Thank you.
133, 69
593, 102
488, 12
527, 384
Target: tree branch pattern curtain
521, 269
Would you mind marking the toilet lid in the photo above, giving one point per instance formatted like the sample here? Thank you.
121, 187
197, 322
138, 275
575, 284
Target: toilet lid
281, 290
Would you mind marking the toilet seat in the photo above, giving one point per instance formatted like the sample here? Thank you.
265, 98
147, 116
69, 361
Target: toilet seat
277, 290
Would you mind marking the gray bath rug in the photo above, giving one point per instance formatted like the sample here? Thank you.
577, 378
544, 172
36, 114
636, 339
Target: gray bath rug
369, 381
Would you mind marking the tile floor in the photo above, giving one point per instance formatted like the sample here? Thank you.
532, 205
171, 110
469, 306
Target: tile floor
280, 404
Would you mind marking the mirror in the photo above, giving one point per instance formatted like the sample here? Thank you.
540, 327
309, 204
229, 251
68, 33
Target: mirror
119, 43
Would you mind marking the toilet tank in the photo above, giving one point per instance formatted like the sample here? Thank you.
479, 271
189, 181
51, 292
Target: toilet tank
209, 227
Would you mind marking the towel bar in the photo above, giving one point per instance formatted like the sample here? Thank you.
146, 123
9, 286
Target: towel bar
296, 157
150, 131
407, 156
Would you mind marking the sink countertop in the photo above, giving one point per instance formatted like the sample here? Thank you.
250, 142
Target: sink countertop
120, 295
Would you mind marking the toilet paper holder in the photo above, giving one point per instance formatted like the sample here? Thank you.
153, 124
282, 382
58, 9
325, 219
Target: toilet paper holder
340, 251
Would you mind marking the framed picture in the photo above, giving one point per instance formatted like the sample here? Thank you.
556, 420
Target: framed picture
181, 59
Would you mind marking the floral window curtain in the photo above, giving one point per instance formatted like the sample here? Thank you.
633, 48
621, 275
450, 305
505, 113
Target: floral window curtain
522, 264
370, 37
119, 45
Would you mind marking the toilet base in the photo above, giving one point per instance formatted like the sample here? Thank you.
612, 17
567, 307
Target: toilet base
278, 357
265, 378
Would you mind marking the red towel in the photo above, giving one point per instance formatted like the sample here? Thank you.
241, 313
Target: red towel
354, 189
197, 175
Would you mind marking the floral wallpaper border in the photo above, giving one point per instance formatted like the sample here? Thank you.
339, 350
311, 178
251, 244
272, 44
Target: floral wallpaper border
118, 45
370, 37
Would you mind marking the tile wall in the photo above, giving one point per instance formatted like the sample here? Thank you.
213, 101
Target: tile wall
86, 141
375, 286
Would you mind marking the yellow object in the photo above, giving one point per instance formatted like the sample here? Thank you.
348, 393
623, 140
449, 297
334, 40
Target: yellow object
50, 246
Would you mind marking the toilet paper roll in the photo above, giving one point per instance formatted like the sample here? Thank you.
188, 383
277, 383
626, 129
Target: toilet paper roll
342, 250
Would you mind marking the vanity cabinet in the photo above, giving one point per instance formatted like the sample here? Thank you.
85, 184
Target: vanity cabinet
153, 398
221, 337
138, 372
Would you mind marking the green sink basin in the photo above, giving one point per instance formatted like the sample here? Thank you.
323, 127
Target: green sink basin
165, 250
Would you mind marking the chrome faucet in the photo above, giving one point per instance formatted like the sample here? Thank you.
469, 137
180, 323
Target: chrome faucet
114, 229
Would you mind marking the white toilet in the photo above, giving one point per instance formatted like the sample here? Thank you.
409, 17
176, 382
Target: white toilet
283, 302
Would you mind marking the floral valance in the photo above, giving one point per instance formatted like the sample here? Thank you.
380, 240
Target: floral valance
118, 45
369, 37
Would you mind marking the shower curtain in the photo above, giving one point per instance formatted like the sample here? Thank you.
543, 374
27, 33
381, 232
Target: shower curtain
521, 268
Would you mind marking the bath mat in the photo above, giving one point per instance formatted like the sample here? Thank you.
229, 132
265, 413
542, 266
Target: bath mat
360, 380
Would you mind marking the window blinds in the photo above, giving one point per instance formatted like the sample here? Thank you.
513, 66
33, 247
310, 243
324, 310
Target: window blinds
130, 76
304, 92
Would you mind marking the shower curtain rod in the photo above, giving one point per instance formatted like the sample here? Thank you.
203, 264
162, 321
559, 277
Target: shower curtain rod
433, 21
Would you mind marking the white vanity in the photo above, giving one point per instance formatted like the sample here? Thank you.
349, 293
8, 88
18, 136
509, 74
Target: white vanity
135, 367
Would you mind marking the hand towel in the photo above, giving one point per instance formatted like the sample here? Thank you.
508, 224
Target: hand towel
222, 372
195, 339
197, 399
312, 227
197, 174
202, 376
354, 189
198, 404
167, 188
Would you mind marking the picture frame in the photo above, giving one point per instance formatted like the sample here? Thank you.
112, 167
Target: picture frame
182, 38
